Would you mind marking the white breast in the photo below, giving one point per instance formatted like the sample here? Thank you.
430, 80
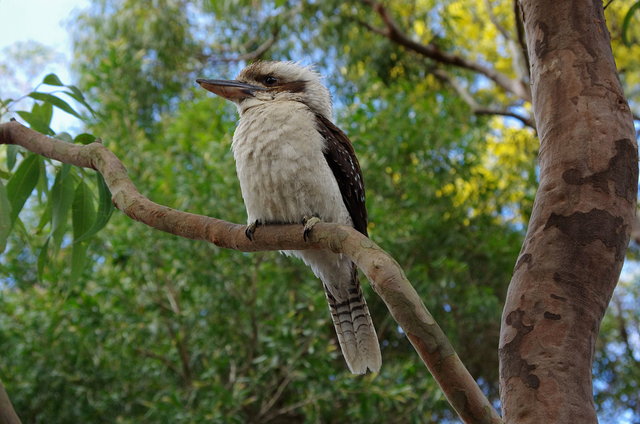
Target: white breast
283, 174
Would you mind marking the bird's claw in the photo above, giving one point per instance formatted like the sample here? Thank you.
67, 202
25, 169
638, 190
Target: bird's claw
309, 223
251, 228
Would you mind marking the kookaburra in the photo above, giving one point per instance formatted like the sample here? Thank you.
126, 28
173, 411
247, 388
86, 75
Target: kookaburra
293, 163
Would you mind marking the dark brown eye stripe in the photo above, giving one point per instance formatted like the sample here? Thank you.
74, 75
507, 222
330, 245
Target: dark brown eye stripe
292, 87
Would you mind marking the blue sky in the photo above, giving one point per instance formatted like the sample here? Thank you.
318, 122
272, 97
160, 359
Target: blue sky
42, 21
39, 20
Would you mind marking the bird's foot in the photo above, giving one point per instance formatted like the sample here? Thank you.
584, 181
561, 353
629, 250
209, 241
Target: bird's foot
309, 223
251, 228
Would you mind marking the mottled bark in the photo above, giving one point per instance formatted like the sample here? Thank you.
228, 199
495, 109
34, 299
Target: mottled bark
582, 216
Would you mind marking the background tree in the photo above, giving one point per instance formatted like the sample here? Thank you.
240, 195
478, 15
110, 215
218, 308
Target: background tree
155, 334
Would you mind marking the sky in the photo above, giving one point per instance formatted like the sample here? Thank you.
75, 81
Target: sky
42, 21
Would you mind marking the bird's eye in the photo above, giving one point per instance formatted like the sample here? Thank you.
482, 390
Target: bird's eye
270, 80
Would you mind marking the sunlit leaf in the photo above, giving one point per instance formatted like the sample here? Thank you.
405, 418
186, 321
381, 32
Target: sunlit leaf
76, 94
55, 101
52, 79
84, 138
39, 118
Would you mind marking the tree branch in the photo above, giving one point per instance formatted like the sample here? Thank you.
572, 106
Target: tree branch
252, 55
475, 107
7, 413
392, 32
579, 227
494, 20
384, 273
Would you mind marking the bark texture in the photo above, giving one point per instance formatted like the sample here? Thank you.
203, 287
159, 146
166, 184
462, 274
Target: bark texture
583, 213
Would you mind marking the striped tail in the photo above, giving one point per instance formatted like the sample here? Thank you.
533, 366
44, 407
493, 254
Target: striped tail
355, 330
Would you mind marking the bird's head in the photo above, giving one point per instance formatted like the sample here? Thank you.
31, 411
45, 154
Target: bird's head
264, 82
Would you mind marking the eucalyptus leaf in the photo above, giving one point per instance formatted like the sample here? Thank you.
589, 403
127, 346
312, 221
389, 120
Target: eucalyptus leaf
22, 183
52, 79
55, 101
5, 217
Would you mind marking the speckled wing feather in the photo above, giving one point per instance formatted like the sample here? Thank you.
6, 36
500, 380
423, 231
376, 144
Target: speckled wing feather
342, 160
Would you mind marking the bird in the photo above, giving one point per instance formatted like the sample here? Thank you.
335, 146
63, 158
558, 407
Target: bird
296, 166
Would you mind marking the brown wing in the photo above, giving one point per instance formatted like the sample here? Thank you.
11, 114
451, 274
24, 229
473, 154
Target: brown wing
342, 160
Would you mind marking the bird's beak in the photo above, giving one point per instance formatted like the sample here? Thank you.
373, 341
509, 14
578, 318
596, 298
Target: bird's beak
231, 90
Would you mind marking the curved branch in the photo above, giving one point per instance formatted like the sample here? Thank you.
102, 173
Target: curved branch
392, 32
475, 107
384, 273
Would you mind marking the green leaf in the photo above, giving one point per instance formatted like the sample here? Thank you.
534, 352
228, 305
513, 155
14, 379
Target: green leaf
76, 94
626, 21
22, 183
64, 136
12, 153
44, 113
105, 209
83, 215
45, 217
5, 217
39, 118
43, 182
78, 260
84, 138
62, 195
55, 101
43, 258
83, 211
52, 79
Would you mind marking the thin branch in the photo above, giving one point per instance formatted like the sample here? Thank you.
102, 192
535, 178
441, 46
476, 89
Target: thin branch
252, 55
166, 361
494, 20
7, 413
386, 276
392, 32
475, 107
288, 377
293, 407
180, 338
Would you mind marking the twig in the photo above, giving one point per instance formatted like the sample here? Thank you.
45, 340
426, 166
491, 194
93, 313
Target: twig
252, 55
392, 32
384, 273
475, 107
166, 361
494, 20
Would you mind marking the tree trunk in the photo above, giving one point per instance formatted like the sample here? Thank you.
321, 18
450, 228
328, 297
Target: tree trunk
583, 212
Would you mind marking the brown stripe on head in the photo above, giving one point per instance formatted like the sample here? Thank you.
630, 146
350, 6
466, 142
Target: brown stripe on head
291, 87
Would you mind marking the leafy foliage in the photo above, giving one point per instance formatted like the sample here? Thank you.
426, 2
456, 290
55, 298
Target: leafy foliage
123, 324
